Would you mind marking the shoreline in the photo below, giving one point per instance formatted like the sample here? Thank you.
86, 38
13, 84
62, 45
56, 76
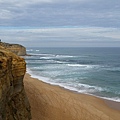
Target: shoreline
70, 89
67, 104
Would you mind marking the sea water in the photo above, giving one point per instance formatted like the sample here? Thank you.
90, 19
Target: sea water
94, 71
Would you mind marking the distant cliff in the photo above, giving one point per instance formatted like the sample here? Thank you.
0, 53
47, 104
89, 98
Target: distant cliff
15, 48
14, 104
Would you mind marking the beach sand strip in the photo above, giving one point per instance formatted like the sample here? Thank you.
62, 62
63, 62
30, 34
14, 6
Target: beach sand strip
51, 102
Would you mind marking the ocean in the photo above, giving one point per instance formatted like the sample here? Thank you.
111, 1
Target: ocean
94, 71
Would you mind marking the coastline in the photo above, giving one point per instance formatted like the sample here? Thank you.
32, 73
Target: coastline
52, 102
46, 80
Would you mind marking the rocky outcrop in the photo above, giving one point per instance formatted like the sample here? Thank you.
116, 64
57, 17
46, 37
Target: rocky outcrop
14, 104
15, 48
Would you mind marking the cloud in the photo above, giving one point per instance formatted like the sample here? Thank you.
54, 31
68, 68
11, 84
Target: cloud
60, 13
97, 22
62, 37
5, 14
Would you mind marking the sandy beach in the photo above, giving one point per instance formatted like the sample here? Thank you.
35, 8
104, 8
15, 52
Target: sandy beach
50, 102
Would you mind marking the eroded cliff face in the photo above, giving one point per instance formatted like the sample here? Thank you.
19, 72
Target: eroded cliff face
15, 48
14, 104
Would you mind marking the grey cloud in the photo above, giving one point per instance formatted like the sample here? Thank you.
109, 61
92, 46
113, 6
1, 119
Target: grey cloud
51, 37
60, 13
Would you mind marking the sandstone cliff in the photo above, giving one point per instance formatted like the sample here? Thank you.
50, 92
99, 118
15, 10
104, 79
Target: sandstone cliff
15, 48
14, 104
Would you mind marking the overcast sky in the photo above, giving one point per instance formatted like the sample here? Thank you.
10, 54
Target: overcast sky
60, 23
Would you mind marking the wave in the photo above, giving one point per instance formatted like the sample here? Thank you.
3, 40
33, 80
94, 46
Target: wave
30, 50
82, 65
44, 79
40, 54
46, 58
56, 56
61, 62
84, 88
116, 99
64, 56
80, 88
77, 65
33, 54
117, 70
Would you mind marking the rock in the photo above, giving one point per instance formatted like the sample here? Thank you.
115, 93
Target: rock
14, 104
15, 48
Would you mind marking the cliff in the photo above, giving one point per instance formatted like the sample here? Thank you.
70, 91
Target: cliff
14, 104
15, 48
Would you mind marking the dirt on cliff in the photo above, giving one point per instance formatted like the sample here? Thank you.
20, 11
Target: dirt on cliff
14, 104
15, 48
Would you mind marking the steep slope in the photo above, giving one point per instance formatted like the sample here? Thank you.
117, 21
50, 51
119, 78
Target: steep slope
15, 48
14, 104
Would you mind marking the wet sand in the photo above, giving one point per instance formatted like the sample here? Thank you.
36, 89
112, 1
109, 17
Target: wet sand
50, 102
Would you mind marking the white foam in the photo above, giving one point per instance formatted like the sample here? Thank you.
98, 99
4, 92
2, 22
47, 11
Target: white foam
77, 65
81, 65
91, 92
37, 67
116, 99
90, 87
46, 57
82, 88
37, 76
87, 89
61, 62
49, 56
30, 50
63, 56
44, 54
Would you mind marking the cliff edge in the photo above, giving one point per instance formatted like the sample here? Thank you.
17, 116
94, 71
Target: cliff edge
15, 48
14, 104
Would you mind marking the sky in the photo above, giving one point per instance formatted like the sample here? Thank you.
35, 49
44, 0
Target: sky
70, 23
